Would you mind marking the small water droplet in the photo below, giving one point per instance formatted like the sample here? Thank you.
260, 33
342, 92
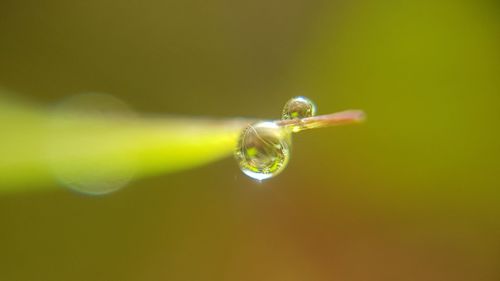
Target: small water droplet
263, 150
297, 108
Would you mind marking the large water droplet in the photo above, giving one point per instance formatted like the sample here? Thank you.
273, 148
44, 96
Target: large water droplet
263, 150
297, 108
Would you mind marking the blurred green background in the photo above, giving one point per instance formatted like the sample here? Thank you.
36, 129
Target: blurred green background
413, 194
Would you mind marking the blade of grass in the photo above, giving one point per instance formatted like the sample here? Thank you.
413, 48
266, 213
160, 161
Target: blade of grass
39, 146
98, 152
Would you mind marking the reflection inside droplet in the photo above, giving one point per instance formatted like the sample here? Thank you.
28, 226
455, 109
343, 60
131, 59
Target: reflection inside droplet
263, 150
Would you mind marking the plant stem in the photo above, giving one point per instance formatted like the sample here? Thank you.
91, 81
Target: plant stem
322, 121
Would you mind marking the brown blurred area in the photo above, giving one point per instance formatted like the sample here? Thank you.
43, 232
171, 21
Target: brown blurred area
413, 194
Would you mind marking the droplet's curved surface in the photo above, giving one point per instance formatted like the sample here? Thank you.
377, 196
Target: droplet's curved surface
298, 108
263, 150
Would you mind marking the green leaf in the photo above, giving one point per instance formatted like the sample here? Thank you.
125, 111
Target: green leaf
39, 147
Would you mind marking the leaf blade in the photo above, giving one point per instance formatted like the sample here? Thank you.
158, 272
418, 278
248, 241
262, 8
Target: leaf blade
40, 147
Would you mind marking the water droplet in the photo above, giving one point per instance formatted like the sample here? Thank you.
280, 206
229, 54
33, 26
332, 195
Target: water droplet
76, 118
263, 150
297, 108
